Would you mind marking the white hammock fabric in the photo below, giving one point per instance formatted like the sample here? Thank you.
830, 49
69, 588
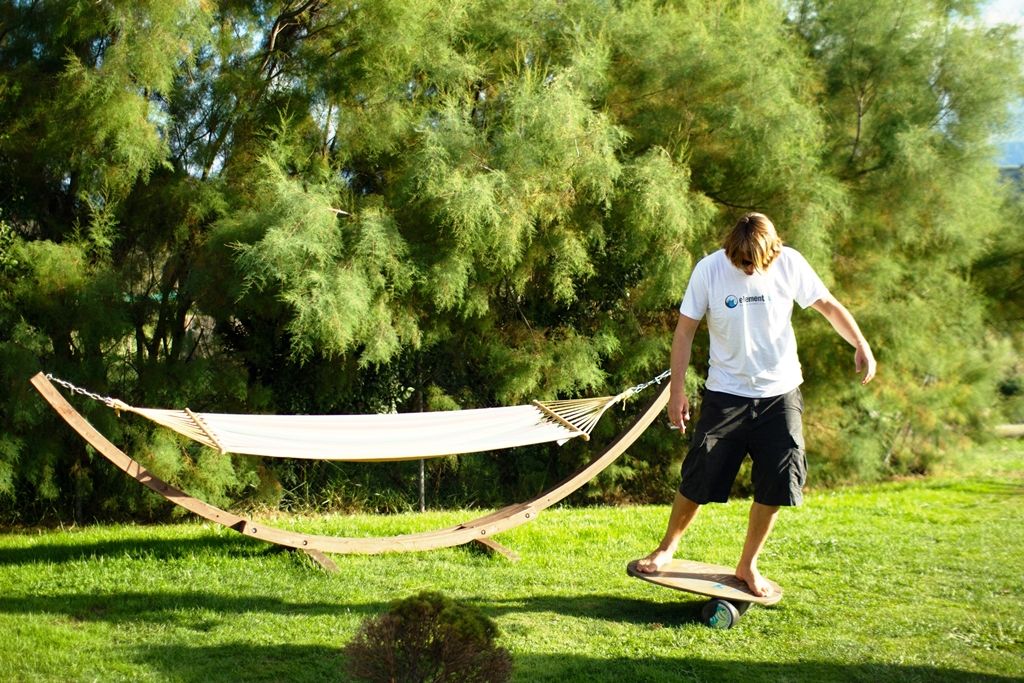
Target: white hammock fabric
382, 437
366, 437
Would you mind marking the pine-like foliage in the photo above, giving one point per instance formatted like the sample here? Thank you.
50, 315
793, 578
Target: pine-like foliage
913, 94
319, 206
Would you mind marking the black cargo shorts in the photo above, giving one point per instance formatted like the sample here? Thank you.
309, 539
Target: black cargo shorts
728, 428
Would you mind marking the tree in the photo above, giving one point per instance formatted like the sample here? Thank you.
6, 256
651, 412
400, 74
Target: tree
312, 206
913, 92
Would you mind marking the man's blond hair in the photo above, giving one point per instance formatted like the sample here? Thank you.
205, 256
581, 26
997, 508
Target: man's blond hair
753, 242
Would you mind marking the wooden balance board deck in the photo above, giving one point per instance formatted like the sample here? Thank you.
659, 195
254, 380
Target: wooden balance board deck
712, 580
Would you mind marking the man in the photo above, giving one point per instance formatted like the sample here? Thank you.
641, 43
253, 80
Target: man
752, 404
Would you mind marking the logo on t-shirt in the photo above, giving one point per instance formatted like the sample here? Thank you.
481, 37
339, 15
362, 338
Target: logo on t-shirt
734, 301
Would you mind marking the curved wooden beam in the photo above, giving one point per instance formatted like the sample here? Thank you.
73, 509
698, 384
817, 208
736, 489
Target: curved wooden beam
482, 527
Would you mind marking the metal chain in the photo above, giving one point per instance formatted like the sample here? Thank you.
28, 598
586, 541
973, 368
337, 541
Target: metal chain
117, 403
640, 387
110, 402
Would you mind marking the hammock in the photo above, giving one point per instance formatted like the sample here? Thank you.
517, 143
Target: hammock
479, 530
400, 436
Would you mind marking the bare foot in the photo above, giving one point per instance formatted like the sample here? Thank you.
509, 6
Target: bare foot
758, 584
654, 562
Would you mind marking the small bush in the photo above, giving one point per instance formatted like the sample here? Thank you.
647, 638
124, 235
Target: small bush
428, 637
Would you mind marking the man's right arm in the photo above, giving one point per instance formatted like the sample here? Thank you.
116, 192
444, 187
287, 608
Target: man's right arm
846, 326
682, 343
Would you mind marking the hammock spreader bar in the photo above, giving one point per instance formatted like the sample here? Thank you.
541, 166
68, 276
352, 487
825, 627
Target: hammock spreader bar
382, 437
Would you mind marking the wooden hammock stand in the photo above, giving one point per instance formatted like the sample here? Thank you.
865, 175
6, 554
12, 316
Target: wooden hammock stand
479, 530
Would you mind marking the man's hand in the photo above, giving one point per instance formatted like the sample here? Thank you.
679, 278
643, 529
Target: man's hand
682, 342
679, 411
846, 326
864, 361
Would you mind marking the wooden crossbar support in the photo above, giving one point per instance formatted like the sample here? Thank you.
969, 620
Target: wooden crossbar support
481, 529
324, 562
492, 546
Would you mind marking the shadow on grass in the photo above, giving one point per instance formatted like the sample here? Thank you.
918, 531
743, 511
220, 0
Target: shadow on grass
227, 545
168, 606
247, 662
688, 668
202, 612
614, 608
155, 548
179, 608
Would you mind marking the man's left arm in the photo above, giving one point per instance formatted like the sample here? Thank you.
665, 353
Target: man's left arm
843, 322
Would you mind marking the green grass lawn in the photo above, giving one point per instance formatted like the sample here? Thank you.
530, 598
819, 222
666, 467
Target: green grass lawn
915, 580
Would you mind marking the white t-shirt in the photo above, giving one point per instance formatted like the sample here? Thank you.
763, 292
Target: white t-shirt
753, 348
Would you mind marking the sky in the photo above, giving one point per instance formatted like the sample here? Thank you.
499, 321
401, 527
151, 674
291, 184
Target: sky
1004, 12
1008, 12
